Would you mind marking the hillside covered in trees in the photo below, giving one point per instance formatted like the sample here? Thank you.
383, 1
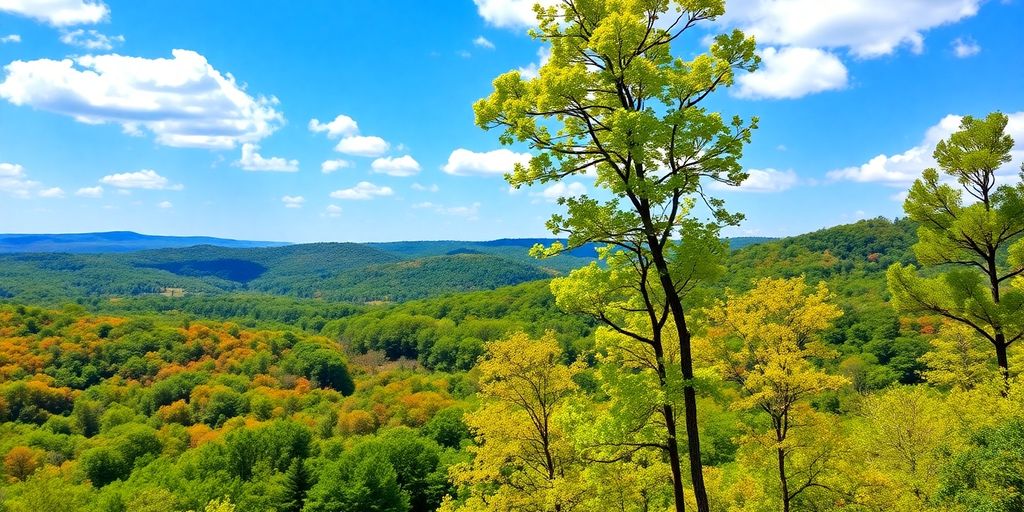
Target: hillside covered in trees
636, 361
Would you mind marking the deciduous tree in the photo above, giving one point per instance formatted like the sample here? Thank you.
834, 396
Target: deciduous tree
613, 100
766, 340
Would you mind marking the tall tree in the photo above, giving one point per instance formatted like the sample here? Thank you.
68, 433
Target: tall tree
524, 460
766, 340
613, 100
640, 357
980, 238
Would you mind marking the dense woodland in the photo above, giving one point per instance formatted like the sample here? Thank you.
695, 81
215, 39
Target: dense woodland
639, 364
275, 403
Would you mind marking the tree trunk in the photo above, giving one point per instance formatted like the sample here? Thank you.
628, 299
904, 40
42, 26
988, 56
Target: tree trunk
782, 479
1001, 357
672, 439
686, 363
673, 457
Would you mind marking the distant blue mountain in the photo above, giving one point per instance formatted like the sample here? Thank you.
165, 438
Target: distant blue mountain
115, 242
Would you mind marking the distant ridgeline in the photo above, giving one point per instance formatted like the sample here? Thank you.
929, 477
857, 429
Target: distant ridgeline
114, 241
55, 268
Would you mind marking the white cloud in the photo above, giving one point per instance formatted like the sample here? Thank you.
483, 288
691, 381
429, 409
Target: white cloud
964, 48
93, 192
425, 188
359, 145
251, 160
11, 170
483, 42
903, 168
868, 28
396, 166
509, 13
90, 39
330, 166
341, 126
165, 205
145, 179
463, 162
183, 100
560, 190
763, 180
470, 212
15, 182
52, 193
332, 210
10, 38
362, 191
792, 73
58, 12
900, 196
293, 201
533, 69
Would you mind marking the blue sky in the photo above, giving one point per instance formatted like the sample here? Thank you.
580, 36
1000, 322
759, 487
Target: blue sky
195, 117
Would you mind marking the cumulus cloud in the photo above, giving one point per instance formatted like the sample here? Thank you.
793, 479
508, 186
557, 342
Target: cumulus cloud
52, 193
964, 48
293, 201
182, 100
330, 166
10, 38
341, 126
483, 42
868, 28
90, 39
901, 169
14, 181
533, 69
93, 192
146, 179
396, 166
803, 36
59, 13
509, 13
359, 145
165, 205
463, 162
332, 210
363, 190
561, 189
793, 73
763, 180
251, 160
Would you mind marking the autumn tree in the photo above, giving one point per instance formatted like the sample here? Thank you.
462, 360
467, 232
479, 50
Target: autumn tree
615, 101
523, 460
20, 462
766, 340
977, 237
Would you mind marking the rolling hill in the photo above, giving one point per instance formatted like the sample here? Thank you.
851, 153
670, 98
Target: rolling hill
102, 265
113, 241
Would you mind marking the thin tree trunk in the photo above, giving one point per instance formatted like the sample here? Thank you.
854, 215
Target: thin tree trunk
673, 457
1001, 357
672, 439
782, 479
686, 363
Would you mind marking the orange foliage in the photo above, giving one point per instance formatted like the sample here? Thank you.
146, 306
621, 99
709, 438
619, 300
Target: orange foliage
175, 412
20, 462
